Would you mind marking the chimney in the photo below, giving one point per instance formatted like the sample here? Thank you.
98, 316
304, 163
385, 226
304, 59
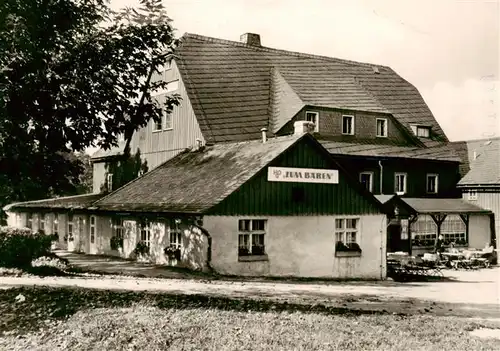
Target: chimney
264, 135
302, 127
250, 39
475, 155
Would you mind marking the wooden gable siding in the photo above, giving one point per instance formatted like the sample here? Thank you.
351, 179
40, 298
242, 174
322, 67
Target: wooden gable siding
258, 196
158, 147
416, 170
365, 124
488, 199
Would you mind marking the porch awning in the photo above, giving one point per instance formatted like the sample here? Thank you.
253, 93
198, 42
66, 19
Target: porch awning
443, 206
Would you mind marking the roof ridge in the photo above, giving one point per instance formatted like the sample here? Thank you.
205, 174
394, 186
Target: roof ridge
475, 140
280, 51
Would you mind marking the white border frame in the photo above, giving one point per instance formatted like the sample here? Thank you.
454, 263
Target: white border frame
371, 179
353, 125
316, 125
427, 184
386, 128
405, 183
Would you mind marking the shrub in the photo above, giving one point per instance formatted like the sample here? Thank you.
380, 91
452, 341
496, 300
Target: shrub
172, 252
20, 246
116, 242
141, 249
46, 261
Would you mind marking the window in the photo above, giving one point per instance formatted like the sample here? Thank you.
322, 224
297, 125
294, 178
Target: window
298, 194
472, 195
118, 227
18, 220
92, 229
400, 183
432, 183
109, 182
348, 125
382, 127
168, 121
29, 220
423, 231
346, 234
251, 237
366, 178
41, 223
70, 225
423, 132
454, 230
146, 233
175, 235
55, 225
158, 125
314, 118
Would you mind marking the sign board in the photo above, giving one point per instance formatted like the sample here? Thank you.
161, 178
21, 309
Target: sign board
302, 175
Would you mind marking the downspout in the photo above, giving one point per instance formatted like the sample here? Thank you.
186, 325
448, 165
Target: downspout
381, 176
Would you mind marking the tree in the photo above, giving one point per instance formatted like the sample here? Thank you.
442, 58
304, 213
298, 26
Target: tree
73, 74
124, 169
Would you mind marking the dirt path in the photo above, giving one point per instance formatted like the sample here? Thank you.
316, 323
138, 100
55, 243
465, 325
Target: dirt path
475, 293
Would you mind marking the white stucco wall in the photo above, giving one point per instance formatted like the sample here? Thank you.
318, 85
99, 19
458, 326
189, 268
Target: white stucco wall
300, 246
479, 231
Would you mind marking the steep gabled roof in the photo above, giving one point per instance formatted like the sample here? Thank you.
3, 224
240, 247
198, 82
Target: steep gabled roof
229, 85
193, 182
484, 169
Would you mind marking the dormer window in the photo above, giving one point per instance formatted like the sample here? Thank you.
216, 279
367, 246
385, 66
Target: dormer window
348, 125
382, 127
421, 131
314, 118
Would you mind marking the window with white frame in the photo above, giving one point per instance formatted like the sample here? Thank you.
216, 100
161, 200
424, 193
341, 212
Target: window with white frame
29, 220
41, 221
92, 229
314, 118
472, 195
346, 232
118, 228
423, 231
169, 125
158, 125
145, 228
366, 178
400, 183
454, 230
251, 237
432, 183
70, 225
348, 125
55, 224
109, 182
382, 127
423, 132
175, 234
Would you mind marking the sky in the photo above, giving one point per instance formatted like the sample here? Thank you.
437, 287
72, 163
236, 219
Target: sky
448, 49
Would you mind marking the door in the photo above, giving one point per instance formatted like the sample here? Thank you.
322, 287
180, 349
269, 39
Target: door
93, 235
394, 242
80, 240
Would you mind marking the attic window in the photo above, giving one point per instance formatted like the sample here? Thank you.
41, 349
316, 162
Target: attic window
314, 118
421, 131
348, 125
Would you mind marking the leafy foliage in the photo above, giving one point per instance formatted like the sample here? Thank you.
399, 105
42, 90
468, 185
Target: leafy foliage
340, 246
173, 252
116, 242
20, 246
73, 74
141, 249
124, 169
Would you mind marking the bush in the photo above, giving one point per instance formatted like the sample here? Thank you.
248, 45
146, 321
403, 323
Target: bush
172, 253
46, 261
340, 246
141, 249
20, 246
116, 242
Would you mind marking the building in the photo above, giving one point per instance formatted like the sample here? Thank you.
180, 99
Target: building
374, 125
280, 207
480, 184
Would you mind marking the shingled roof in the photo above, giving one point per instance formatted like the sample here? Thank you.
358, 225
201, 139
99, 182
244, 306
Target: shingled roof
484, 168
229, 85
387, 148
66, 202
193, 182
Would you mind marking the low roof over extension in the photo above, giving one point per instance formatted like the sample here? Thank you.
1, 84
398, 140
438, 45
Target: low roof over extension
67, 202
481, 160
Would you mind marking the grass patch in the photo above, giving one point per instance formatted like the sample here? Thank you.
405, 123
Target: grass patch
144, 326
